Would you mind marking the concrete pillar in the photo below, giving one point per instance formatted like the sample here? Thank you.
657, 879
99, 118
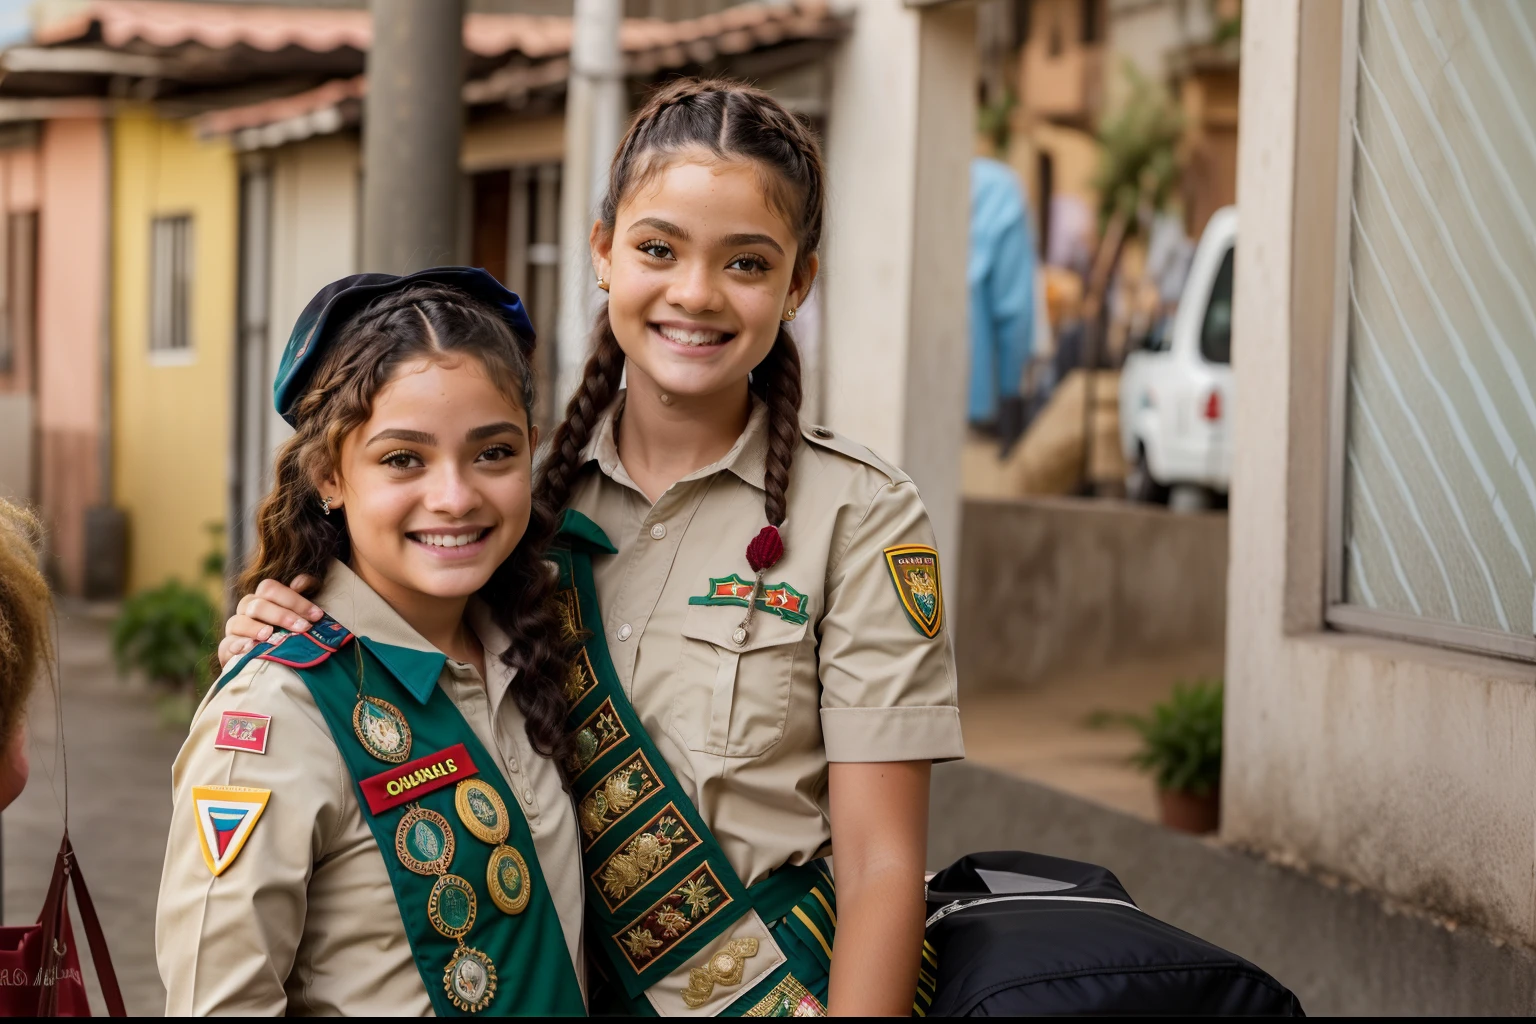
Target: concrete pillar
900, 133
411, 136
595, 107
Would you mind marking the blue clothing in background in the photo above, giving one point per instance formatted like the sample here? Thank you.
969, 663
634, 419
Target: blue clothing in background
1001, 278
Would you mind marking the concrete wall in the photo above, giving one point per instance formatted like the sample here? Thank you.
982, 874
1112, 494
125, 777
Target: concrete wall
1061, 585
1403, 768
1340, 950
71, 333
171, 413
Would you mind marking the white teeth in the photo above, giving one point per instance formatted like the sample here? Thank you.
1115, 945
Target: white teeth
441, 540
691, 337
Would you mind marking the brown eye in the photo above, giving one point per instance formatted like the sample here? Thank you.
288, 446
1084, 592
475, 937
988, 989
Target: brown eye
401, 460
656, 249
497, 453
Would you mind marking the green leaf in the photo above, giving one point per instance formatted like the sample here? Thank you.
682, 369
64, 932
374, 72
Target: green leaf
1181, 738
168, 633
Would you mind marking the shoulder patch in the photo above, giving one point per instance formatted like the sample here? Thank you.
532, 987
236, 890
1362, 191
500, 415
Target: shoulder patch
915, 572
226, 816
307, 649
825, 439
243, 730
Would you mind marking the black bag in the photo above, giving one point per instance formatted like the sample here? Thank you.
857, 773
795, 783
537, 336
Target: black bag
1023, 934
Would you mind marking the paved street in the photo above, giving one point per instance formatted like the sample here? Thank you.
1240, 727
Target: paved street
119, 787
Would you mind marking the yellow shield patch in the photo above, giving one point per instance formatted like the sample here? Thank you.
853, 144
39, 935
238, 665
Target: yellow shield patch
915, 572
226, 816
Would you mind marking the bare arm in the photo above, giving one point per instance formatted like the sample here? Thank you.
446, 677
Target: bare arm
271, 606
880, 843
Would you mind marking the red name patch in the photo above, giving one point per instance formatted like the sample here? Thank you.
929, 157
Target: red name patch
415, 779
243, 730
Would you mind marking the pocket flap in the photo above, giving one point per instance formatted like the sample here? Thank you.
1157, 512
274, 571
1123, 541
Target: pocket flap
716, 623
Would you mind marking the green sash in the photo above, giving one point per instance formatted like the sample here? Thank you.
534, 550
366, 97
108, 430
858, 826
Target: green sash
512, 954
659, 888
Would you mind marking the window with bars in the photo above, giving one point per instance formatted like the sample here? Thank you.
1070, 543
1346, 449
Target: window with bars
1435, 520
170, 284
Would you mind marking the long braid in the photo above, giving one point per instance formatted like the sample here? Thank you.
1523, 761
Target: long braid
777, 382
599, 384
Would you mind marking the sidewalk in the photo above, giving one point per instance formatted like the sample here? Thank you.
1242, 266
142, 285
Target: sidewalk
120, 806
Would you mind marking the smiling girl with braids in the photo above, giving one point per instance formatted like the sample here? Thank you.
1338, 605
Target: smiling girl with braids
764, 676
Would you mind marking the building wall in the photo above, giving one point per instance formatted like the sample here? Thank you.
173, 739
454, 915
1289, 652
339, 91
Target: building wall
73, 197
1402, 767
171, 414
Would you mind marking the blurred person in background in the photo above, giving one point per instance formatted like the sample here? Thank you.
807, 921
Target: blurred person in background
25, 607
1000, 276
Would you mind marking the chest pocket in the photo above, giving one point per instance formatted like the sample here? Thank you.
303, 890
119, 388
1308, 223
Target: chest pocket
733, 700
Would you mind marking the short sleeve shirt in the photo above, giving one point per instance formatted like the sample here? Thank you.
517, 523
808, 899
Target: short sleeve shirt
837, 669
304, 920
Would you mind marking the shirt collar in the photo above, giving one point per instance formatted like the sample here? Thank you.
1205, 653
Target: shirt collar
748, 457
414, 662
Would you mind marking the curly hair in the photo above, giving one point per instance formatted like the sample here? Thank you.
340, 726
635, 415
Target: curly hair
731, 121
294, 536
25, 604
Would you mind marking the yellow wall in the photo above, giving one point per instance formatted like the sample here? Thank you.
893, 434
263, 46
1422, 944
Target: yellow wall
170, 429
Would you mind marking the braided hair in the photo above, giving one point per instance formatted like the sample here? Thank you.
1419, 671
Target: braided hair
294, 537
731, 121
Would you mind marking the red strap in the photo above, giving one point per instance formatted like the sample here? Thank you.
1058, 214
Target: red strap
97, 940
53, 910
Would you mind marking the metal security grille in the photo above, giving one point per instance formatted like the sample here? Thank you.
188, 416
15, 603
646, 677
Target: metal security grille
1439, 516
170, 284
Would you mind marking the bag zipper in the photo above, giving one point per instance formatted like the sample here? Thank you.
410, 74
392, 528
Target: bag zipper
959, 905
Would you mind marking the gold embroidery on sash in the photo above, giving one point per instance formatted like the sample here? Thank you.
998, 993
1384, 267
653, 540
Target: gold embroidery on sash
646, 855
724, 968
696, 899
580, 679
614, 796
598, 734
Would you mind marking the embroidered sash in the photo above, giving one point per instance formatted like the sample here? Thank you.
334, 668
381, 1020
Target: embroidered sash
482, 876
659, 887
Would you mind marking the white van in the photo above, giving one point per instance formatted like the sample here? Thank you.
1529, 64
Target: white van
1175, 388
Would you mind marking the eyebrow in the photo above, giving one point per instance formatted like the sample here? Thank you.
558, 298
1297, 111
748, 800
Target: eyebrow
664, 226
735, 240
422, 437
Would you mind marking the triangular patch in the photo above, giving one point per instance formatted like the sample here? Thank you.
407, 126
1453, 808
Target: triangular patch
226, 815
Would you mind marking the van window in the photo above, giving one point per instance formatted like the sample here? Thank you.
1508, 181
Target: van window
1216, 331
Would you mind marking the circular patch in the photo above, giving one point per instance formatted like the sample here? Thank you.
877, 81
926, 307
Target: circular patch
382, 730
424, 841
481, 810
451, 907
470, 979
506, 876
586, 746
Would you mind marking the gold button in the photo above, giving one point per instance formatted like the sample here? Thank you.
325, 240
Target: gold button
658, 531
624, 632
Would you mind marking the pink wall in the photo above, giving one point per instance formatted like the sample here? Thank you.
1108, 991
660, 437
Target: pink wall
70, 186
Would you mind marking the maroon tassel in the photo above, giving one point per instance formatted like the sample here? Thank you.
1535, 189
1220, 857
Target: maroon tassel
765, 549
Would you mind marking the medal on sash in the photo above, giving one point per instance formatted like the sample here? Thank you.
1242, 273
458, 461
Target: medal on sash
483, 813
380, 726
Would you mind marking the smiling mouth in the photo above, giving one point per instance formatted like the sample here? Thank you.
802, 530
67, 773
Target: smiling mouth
692, 338
449, 541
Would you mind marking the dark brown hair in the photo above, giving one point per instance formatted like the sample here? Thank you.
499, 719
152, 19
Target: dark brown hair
295, 536
733, 122
25, 603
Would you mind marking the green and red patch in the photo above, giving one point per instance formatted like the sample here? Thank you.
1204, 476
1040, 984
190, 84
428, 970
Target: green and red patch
779, 599
915, 572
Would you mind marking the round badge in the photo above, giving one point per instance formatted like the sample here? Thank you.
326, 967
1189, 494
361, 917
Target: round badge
586, 747
451, 907
481, 810
470, 979
424, 841
382, 730
506, 876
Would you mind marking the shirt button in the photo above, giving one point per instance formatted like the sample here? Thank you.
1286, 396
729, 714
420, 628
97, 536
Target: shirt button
625, 631
528, 797
658, 531
511, 764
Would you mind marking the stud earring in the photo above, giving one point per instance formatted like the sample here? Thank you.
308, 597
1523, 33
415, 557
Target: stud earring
602, 283
325, 505
790, 314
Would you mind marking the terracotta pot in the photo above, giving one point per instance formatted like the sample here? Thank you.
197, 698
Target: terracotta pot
1190, 813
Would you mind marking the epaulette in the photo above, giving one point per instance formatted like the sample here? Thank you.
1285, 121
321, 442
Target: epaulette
307, 649
821, 437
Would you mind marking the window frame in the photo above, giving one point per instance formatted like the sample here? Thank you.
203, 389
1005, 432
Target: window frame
1337, 612
172, 355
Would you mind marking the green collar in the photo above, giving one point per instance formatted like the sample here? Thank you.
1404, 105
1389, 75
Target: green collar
577, 527
415, 670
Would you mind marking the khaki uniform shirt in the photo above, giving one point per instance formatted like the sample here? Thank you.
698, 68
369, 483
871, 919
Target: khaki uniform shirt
304, 920
749, 729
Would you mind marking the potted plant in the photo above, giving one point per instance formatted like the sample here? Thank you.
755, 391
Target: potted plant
1181, 747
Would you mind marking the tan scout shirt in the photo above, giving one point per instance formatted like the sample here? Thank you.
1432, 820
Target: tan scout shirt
749, 729
304, 920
